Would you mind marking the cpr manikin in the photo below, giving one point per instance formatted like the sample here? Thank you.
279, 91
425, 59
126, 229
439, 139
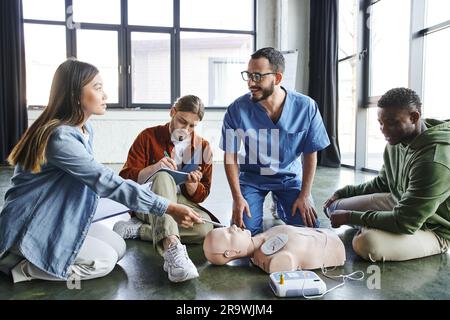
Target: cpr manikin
281, 248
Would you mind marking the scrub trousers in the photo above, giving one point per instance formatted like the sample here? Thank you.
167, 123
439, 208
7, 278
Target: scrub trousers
285, 200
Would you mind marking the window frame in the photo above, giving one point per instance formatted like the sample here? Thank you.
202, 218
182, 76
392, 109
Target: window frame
124, 31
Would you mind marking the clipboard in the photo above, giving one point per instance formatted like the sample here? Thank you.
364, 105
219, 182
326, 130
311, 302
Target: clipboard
180, 176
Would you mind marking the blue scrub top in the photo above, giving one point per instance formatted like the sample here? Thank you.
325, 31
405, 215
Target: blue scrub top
268, 153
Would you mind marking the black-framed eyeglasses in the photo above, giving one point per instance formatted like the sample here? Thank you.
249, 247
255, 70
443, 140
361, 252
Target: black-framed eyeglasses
255, 76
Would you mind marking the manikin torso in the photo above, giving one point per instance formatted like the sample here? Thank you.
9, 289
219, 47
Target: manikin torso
306, 249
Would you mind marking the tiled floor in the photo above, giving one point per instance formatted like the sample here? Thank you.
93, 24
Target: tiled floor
140, 274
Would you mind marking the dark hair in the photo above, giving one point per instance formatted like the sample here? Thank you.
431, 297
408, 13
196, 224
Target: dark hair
190, 103
63, 108
275, 57
401, 98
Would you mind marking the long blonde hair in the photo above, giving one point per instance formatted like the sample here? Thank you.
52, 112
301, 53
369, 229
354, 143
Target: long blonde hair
64, 107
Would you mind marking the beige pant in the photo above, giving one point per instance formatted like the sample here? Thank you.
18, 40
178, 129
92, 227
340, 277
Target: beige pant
157, 228
99, 253
378, 245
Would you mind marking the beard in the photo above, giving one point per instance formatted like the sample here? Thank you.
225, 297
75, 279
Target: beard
265, 93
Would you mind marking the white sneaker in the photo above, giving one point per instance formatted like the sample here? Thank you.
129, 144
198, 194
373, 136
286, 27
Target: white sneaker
178, 265
128, 229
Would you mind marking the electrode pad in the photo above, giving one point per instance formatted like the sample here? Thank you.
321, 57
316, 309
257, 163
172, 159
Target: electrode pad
274, 244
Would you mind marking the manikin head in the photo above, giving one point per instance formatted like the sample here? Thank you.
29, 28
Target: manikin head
222, 245
399, 112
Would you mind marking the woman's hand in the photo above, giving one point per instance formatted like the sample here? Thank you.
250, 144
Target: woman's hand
183, 215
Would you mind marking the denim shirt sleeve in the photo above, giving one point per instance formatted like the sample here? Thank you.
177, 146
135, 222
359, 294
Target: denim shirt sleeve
66, 151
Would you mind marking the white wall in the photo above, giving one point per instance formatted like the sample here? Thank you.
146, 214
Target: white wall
116, 131
271, 33
298, 38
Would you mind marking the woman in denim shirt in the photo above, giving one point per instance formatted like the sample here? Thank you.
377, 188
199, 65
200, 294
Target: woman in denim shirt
45, 224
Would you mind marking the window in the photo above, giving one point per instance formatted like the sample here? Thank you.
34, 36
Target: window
347, 111
389, 45
149, 52
143, 13
211, 64
44, 9
438, 11
437, 69
99, 47
97, 11
347, 80
150, 69
217, 14
43, 55
375, 141
436, 62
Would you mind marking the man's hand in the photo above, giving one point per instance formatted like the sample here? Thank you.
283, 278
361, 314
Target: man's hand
339, 218
194, 177
183, 215
307, 211
239, 206
166, 162
148, 171
192, 181
330, 200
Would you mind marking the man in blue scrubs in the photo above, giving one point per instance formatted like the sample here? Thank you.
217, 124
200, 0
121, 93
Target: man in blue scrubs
264, 134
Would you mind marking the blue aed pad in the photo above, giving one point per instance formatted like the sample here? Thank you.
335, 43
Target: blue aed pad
296, 284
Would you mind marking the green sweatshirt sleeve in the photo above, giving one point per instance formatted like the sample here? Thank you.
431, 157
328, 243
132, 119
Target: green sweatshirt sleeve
376, 185
427, 189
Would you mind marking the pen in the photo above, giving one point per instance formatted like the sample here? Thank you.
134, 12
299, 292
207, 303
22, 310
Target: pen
166, 154
214, 223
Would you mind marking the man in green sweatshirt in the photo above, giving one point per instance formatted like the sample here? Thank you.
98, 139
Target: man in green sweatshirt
404, 212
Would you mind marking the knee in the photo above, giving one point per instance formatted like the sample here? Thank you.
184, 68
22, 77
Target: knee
366, 244
163, 184
333, 206
110, 261
254, 230
121, 248
103, 265
163, 177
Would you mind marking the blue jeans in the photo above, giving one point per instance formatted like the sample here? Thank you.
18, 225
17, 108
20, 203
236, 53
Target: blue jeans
285, 200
